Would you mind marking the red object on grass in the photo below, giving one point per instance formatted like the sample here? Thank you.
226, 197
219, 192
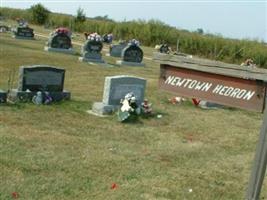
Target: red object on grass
114, 186
15, 195
195, 101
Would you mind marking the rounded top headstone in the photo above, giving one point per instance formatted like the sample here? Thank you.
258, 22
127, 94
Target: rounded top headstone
132, 52
60, 38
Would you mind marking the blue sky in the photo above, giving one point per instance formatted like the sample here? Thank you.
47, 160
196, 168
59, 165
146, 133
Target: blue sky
234, 19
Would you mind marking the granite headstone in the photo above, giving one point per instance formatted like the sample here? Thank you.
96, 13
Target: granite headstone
115, 89
3, 96
132, 55
91, 51
24, 32
40, 78
59, 42
115, 50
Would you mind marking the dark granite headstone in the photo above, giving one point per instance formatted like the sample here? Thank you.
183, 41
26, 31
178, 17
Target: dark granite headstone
24, 32
164, 48
131, 55
59, 42
91, 51
116, 49
41, 78
107, 38
3, 96
62, 41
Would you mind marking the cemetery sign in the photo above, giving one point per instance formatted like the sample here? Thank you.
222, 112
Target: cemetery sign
226, 84
222, 83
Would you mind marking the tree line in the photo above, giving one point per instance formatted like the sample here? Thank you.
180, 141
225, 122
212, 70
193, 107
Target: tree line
150, 33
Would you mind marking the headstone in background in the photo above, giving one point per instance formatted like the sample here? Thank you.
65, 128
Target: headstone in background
91, 50
107, 38
23, 32
4, 28
115, 50
132, 54
164, 48
60, 41
42, 78
3, 96
115, 89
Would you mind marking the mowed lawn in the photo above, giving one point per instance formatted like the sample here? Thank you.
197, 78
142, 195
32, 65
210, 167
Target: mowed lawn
60, 152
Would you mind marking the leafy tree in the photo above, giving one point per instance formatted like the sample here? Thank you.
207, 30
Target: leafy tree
39, 13
200, 31
81, 17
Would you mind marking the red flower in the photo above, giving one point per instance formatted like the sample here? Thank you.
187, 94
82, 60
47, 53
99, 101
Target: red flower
114, 186
15, 195
195, 101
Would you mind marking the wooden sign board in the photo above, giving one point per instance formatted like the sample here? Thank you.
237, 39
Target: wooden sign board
222, 83
221, 89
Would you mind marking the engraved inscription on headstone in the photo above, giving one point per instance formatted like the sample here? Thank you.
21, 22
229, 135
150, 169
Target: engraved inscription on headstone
24, 32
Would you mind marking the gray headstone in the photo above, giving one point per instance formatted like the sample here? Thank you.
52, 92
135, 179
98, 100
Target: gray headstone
41, 78
116, 50
91, 51
115, 89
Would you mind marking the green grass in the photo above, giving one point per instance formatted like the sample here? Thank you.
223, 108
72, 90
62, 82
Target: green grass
60, 152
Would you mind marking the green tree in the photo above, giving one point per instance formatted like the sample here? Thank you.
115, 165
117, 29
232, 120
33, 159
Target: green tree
39, 13
81, 17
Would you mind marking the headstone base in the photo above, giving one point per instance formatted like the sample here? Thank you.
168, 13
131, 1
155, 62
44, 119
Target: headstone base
103, 109
107, 54
3, 96
24, 96
83, 59
23, 38
209, 105
121, 62
69, 51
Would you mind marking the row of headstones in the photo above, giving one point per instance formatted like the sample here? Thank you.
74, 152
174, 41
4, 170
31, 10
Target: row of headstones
130, 52
43, 78
60, 41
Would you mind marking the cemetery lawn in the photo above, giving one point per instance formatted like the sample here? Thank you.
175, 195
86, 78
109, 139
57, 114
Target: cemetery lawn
60, 152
